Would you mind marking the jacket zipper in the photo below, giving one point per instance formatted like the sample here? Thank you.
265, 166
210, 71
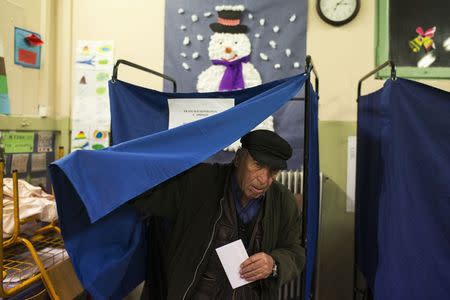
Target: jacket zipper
206, 251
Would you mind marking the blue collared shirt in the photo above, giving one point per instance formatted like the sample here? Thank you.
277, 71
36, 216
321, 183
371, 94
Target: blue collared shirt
247, 213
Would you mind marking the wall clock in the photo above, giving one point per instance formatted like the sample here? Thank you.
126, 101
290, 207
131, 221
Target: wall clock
337, 12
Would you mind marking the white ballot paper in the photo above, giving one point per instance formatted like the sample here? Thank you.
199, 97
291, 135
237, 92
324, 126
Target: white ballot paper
231, 256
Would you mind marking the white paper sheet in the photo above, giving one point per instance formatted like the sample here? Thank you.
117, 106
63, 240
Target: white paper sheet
183, 111
351, 173
232, 256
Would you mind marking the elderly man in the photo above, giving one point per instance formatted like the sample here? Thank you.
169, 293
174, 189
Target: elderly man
212, 205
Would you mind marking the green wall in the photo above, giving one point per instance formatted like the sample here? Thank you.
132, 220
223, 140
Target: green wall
335, 247
60, 125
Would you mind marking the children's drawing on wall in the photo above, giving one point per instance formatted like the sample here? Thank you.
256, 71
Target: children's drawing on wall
99, 139
80, 141
90, 108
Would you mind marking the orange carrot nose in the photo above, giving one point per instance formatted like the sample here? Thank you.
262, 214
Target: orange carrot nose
228, 50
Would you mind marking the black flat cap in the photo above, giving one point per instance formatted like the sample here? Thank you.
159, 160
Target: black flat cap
268, 148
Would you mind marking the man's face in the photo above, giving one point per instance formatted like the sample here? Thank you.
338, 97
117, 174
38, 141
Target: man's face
253, 178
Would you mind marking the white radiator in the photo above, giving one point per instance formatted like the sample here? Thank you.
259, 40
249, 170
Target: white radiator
293, 180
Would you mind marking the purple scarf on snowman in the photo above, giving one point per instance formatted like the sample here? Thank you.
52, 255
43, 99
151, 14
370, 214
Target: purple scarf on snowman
232, 78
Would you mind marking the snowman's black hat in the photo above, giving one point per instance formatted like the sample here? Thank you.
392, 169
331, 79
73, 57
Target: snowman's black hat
229, 19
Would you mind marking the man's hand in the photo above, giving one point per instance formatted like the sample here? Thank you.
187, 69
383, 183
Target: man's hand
256, 267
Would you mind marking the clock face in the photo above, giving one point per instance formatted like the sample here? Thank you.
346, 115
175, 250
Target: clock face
337, 12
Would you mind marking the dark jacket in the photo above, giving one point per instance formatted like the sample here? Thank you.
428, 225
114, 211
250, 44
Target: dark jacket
193, 203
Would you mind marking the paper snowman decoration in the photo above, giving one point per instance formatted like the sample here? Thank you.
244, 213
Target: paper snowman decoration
229, 51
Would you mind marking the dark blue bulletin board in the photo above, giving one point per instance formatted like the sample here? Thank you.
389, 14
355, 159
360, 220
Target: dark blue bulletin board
275, 34
31, 163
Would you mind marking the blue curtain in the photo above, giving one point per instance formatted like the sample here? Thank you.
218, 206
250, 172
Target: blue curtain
313, 193
403, 191
104, 239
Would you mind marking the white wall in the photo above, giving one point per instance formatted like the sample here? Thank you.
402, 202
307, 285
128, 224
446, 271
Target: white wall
136, 27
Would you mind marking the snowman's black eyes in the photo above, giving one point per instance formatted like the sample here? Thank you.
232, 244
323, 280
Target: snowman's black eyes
235, 42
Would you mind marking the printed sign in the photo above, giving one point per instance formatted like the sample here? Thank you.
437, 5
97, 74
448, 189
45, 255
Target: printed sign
183, 111
18, 142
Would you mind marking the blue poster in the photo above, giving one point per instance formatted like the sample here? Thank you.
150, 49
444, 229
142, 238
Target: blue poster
27, 48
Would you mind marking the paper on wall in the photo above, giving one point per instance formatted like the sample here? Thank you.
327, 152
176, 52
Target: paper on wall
19, 162
351, 173
90, 107
38, 162
183, 111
